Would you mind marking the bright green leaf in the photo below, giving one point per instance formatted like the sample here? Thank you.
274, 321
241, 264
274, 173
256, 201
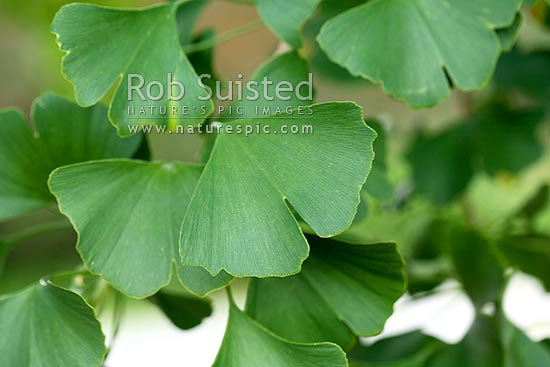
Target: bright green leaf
127, 215
344, 290
65, 134
286, 18
410, 46
319, 174
46, 326
104, 44
248, 344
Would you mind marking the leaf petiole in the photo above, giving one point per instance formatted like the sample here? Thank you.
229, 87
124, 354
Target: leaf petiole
38, 229
224, 37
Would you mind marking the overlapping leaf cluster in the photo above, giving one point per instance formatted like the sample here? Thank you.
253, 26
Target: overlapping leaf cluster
264, 206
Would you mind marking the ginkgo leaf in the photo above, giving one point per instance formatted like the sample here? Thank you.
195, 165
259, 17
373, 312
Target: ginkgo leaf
104, 44
248, 344
412, 47
239, 220
45, 325
287, 24
65, 134
343, 290
127, 215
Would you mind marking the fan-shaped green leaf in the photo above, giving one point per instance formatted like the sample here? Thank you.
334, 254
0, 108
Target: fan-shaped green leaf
104, 44
127, 215
65, 134
45, 326
343, 290
248, 344
410, 46
319, 174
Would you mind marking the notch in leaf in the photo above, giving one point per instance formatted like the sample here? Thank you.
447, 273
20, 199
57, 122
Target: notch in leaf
127, 215
410, 46
239, 218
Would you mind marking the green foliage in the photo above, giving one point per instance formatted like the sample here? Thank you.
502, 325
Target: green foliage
414, 47
141, 42
248, 344
253, 245
65, 134
444, 164
287, 25
45, 325
344, 289
142, 202
466, 201
184, 311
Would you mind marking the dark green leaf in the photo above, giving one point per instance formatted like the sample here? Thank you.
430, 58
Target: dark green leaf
441, 166
495, 139
185, 312
526, 72
408, 350
477, 266
343, 290
319, 174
